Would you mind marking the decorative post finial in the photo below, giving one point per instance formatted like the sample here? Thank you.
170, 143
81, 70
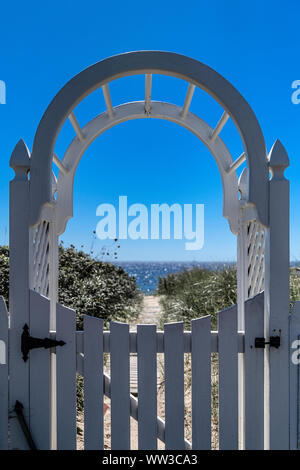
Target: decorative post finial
20, 160
278, 160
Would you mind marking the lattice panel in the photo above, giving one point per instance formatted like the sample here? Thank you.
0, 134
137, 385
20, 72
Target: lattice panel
256, 258
40, 265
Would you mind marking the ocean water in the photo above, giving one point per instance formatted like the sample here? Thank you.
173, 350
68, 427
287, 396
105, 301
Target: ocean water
147, 273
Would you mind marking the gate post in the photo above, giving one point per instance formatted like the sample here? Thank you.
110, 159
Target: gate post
18, 289
277, 271
242, 295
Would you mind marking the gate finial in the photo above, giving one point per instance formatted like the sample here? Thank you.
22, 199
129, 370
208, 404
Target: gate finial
278, 160
20, 159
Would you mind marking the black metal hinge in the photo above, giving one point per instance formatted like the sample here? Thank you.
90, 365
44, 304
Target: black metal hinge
28, 342
274, 342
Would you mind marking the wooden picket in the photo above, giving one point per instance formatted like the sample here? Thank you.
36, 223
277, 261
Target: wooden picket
201, 383
3, 375
93, 383
40, 372
146, 343
174, 386
147, 387
120, 386
83, 353
66, 378
254, 374
228, 379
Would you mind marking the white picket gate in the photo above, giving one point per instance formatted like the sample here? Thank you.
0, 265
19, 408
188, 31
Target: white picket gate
83, 354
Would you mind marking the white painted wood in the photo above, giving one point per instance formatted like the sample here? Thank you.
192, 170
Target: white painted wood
224, 118
242, 294
294, 345
108, 102
18, 289
242, 253
3, 375
53, 296
147, 387
40, 372
188, 100
174, 386
143, 62
66, 378
76, 126
134, 413
148, 86
59, 164
265, 210
120, 389
187, 344
136, 110
201, 383
254, 374
277, 271
237, 163
93, 383
228, 379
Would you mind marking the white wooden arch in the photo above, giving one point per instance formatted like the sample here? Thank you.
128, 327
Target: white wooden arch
148, 62
260, 216
136, 110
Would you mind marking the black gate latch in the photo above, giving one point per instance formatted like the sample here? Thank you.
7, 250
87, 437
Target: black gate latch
274, 342
28, 342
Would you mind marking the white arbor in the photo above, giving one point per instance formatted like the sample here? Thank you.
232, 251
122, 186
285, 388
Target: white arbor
256, 207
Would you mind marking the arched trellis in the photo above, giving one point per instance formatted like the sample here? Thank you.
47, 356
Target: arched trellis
43, 184
253, 216
148, 63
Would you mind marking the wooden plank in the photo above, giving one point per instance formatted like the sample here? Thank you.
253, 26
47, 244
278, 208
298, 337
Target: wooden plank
147, 387
40, 372
277, 303
120, 387
18, 290
254, 374
174, 386
3, 375
66, 378
294, 344
201, 383
93, 383
228, 379
160, 342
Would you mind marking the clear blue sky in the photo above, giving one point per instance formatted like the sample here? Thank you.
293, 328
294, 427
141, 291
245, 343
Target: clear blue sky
254, 44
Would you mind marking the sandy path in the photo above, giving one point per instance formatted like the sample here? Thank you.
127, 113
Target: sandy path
150, 311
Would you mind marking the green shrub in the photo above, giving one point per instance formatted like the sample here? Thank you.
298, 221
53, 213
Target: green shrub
96, 288
191, 294
88, 286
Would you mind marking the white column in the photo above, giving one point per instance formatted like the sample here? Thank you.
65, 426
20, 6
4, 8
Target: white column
18, 289
242, 282
277, 269
242, 254
53, 296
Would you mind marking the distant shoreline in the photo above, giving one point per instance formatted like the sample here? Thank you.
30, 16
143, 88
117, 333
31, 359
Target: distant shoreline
148, 272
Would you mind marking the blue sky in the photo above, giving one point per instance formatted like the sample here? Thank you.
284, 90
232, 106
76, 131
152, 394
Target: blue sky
255, 45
